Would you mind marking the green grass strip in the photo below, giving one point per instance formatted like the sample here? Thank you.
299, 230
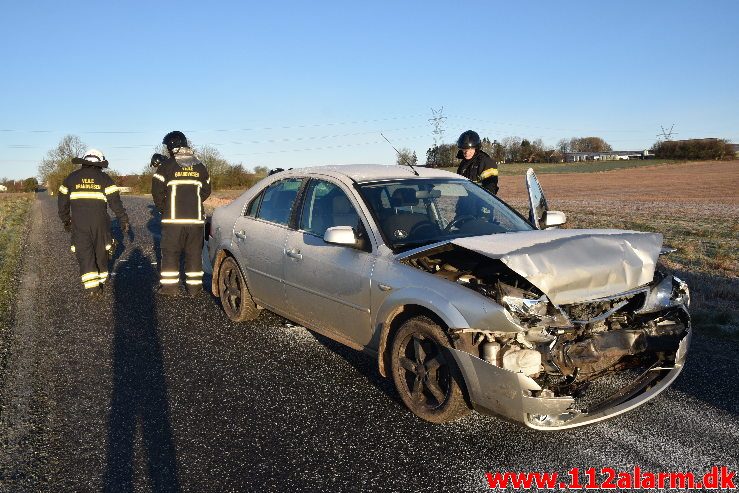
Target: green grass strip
14, 212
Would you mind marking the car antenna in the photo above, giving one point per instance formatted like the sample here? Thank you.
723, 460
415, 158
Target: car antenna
401, 156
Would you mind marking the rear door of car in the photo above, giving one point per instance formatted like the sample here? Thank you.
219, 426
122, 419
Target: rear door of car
260, 236
328, 286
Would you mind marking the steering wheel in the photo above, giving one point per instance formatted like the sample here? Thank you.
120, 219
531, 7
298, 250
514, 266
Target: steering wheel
458, 221
419, 227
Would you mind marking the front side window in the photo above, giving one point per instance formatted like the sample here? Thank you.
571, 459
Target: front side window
277, 201
325, 206
416, 212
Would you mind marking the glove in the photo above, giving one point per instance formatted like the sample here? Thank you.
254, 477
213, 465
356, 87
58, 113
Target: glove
125, 226
67, 225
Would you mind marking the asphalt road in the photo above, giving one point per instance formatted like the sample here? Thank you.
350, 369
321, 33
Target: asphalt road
136, 393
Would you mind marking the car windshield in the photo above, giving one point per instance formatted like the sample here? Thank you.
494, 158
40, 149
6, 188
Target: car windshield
417, 212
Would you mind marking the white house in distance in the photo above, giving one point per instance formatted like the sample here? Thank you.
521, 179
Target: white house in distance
571, 157
3, 188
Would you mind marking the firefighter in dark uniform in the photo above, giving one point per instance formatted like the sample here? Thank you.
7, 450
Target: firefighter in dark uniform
83, 202
179, 186
476, 165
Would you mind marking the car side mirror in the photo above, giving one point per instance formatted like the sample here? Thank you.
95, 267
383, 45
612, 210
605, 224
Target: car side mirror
340, 235
552, 219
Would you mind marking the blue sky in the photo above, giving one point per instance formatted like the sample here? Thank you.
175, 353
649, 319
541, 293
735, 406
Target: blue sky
290, 84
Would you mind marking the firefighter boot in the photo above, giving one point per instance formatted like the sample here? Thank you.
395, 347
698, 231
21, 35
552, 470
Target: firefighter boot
168, 290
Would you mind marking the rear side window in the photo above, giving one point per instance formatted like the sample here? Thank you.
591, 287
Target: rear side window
277, 201
251, 211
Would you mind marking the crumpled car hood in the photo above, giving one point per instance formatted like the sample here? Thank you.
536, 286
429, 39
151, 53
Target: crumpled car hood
571, 265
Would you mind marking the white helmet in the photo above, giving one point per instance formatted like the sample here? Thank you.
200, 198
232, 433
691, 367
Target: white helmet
94, 155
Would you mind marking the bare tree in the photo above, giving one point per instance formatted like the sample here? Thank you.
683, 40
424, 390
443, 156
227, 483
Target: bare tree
406, 156
588, 144
261, 170
217, 165
512, 147
57, 163
563, 146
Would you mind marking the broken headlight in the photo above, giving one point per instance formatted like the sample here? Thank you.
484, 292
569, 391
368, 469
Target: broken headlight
528, 310
670, 291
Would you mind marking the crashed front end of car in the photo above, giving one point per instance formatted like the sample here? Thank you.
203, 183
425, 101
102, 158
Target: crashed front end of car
595, 328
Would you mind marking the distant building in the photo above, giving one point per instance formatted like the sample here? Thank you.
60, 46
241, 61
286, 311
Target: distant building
574, 157
3, 188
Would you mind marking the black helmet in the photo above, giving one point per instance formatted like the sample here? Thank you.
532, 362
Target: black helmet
468, 140
157, 160
174, 139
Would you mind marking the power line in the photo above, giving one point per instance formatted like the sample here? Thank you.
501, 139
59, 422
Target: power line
282, 140
322, 148
223, 130
508, 124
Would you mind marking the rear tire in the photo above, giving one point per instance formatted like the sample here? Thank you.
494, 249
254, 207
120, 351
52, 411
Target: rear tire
428, 381
234, 294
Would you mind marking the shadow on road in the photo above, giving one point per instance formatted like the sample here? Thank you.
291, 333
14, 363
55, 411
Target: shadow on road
120, 240
710, 372
364, 364
139, 387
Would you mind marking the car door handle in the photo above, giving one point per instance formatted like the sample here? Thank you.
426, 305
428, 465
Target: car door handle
240, 234
294, 254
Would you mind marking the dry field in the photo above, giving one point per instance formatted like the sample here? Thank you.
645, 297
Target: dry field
219, 198
694, 205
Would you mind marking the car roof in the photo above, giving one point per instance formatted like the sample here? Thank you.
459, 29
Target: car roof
373, 172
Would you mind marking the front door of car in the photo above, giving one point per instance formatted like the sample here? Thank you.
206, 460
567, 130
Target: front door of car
260, 237
539, 214
537, 201
328, 286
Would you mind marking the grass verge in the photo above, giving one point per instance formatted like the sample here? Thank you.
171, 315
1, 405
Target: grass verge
14, 211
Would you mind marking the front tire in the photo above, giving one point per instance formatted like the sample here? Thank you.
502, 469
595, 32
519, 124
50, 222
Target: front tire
428, 381
234, 294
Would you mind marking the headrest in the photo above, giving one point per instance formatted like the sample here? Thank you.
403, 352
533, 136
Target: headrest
341, 205
283, 197
403, 197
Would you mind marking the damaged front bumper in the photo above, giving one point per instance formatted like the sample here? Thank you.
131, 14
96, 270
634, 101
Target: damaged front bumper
495, 390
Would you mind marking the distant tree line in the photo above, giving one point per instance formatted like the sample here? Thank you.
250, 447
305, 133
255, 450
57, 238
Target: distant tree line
583, 144
518, 150
693, 149
57, 164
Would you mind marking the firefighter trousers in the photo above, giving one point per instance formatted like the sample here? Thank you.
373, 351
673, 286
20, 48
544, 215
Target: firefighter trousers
91, 243
176, 240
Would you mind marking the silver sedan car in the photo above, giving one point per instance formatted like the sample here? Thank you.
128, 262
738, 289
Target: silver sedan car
462, 301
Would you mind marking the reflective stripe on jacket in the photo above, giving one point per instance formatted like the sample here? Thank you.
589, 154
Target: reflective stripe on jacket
179, 191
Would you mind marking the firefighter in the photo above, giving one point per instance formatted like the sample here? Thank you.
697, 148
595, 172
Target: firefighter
83, 202
179, 186
476, 164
